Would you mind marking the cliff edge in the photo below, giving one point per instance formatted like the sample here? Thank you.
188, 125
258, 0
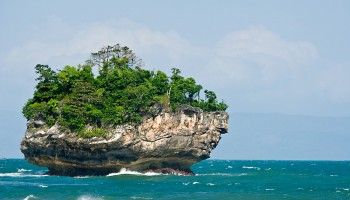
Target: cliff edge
170, 142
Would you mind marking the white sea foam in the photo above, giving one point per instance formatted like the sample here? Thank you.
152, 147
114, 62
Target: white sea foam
24, 170
269, 189
89, 197
229, 167
251, 167
222, 174
345, 189
195, 183
141, 198
215, 174
210, 184
43, 186
29, 197
16, 174
124, 171
81, 177
268, 169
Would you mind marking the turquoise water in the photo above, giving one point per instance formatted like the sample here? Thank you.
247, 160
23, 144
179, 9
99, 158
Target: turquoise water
215, 179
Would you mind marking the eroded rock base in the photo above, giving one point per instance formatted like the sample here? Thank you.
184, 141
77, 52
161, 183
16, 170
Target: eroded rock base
168, 143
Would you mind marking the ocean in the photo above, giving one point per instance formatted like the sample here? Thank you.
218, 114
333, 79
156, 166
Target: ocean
214, 179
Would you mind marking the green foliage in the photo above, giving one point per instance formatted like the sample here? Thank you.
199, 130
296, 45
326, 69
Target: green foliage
47, 83
122, 92
96, 132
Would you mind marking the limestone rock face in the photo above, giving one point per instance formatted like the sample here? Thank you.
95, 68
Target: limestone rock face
169, 142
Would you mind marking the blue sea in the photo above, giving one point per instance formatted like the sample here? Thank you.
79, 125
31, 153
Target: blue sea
214, 179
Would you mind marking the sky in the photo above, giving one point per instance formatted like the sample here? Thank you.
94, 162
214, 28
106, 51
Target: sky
287, 58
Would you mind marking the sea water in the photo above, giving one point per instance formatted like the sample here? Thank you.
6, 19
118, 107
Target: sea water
214, 179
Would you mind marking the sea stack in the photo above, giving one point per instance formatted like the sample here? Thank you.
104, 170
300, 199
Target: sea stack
169, 142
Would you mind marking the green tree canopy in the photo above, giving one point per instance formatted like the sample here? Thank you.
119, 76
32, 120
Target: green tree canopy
122, 92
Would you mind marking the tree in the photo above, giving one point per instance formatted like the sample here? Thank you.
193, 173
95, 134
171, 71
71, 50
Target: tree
160, 82
47, 86
121, 93
210, 96
183, 91
115, 56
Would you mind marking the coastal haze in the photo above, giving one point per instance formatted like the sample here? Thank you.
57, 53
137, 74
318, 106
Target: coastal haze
282, 67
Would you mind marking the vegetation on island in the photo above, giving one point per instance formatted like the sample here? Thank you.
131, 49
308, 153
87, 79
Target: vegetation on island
122, 92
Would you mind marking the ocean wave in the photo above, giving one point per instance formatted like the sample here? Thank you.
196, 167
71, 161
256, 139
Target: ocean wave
216, 174
141, 198
89, 197
124, 171
345, 189
17, 174
43, 186
251, 167
24, 170
81, 176
222, 174
29, 197
197, 183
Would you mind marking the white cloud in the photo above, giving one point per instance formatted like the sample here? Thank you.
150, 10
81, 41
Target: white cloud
265, 55
59, 44
253, 69
91, 37
261, 41
262, 72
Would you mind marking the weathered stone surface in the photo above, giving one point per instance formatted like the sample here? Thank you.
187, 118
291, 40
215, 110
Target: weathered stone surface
169, 142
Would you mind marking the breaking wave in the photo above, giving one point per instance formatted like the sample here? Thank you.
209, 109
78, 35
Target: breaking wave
89, 197
251, 167
29, 197
124, 171
18, 174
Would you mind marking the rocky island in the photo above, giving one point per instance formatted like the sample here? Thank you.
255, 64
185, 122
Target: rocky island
79, 125
167, 143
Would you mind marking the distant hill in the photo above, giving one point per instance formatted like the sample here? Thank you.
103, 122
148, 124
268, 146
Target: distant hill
286, 137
